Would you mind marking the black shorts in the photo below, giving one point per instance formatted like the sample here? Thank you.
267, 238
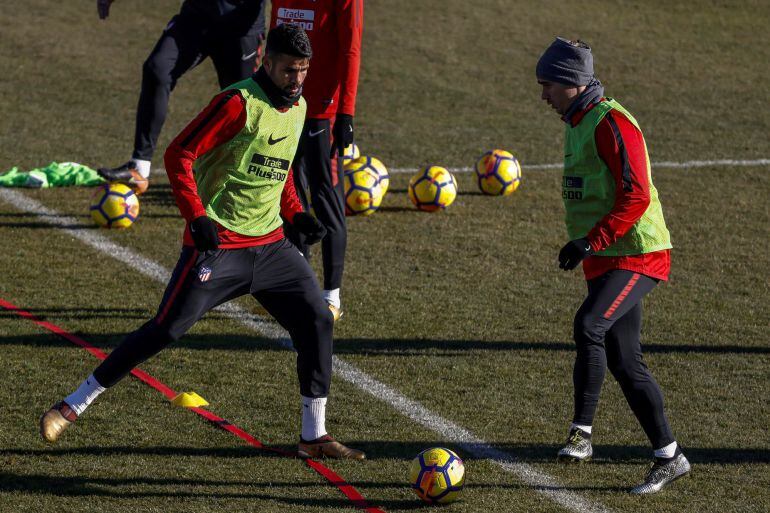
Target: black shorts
202, 281
276, 275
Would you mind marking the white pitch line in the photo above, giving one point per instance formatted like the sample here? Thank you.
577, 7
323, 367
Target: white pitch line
448, 430
657, 165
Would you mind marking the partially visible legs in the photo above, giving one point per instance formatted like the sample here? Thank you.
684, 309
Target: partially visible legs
323, 177
644, 396
286, 286
235, 58
179, 49
607, 332
199, 283
610, 297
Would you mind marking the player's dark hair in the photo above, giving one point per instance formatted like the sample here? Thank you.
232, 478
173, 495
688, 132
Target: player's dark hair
289, 39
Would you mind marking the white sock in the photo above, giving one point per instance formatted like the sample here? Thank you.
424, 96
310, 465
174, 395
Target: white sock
667, 451
581, 427
143, 166
84, 395
313, 418
333, 297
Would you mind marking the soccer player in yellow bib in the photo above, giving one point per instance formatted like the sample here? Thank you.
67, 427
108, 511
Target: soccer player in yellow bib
235, 203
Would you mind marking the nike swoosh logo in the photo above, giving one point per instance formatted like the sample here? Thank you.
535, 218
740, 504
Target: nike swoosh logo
270, 139
247, 57
313, 134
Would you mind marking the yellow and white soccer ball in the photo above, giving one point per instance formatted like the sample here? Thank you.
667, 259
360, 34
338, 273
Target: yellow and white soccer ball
437, 475
114, 205
373, 164
432, 188
363, 194
498, 173
351, 152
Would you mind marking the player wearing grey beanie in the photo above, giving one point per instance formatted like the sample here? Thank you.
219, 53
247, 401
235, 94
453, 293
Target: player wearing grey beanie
571, 65
615, 222
567, 62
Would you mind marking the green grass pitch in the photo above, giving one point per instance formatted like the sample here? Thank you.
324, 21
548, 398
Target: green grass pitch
463, 311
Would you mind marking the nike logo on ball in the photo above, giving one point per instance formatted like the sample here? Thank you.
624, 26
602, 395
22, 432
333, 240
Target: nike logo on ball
271, 141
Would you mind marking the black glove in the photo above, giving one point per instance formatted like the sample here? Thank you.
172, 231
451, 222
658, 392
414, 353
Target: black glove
309, 226
573, 253
342, 133
204, 233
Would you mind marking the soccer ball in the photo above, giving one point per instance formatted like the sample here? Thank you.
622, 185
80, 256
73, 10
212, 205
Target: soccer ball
498, 173
363, 194
432, 188
351, 152
114, 205
373, 164
437, 475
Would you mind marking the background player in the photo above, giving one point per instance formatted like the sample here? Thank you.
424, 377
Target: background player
615, 221
235, 202
228, 31
335, 28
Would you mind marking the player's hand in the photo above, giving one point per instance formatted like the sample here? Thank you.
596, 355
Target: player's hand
573, 253
342, 134
309, 226
103, 8
204, 233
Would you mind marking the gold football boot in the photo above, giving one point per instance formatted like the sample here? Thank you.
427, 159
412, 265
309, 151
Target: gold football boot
56, 420
336, 312
328, 447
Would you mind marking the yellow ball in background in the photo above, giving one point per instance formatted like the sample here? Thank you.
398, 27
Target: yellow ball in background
498, 173
114, 205
373, 164
432, 188
363, 194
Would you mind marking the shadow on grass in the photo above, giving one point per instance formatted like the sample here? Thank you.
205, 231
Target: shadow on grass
409, 347
460, 192
87, 313
125, 488
388, 347
405, 451
397, 209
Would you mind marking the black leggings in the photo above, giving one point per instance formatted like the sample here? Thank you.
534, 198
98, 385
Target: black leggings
607, 334
275, 274
315, 172
184, 44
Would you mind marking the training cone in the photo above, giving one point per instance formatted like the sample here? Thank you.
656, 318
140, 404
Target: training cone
189, 400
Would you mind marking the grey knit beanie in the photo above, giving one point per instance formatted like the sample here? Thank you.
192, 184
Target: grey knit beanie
566, 63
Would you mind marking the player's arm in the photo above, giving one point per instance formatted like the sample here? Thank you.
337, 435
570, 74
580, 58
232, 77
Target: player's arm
219, 122
290, 204
350, 24
621, 145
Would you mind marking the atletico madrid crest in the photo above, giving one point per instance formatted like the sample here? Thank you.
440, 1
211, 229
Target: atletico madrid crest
204, 273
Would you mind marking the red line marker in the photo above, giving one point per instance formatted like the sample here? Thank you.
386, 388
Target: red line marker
343, 486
